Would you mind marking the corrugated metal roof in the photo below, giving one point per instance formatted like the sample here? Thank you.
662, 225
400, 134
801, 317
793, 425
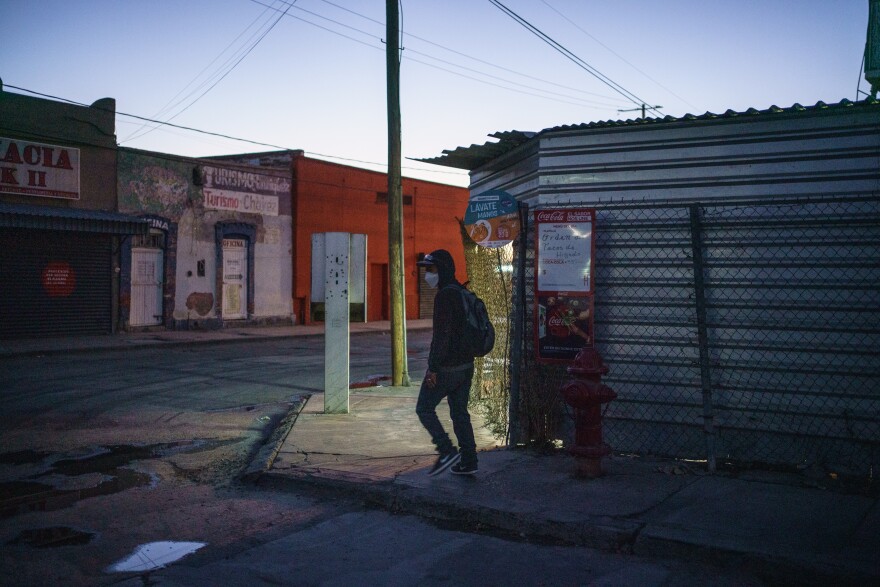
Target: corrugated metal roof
477, 155
74, 219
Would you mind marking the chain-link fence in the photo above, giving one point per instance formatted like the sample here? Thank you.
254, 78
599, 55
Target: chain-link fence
734, 331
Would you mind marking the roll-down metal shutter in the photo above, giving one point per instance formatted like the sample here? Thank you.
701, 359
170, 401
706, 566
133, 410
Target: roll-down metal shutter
54, 283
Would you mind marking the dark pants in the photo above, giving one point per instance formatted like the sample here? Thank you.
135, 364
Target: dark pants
455, 386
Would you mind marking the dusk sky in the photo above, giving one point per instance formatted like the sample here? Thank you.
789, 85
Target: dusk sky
313, 77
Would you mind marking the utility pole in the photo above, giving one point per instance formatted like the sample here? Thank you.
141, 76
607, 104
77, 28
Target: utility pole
642, 109
399, 370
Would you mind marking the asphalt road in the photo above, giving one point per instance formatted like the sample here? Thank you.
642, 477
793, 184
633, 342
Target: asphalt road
101, 453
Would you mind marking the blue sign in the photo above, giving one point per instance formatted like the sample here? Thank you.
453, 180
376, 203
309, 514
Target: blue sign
492, 218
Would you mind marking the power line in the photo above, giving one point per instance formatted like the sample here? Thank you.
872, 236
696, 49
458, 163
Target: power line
228, 71
465, 55
216, 134
613, 52
569, 55
406, 49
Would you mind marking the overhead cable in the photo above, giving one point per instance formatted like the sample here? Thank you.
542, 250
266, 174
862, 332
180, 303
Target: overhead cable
216, 134
613, 52
571, 56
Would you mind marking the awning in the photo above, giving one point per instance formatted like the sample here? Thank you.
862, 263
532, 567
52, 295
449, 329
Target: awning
74, 219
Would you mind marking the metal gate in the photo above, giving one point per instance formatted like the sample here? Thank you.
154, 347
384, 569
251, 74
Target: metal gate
235, 272
146, 287
54, 283
743, 331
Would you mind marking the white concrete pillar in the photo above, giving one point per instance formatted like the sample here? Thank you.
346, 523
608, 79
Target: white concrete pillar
336, 337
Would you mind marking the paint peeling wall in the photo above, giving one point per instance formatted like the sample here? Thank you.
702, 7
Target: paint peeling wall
175, 188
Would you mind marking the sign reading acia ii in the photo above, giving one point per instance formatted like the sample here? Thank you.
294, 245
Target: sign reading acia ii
37, 169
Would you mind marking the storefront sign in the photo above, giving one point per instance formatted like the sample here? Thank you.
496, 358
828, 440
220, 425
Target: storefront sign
492, 219
37, 169
563, 282
243, 191
238, 202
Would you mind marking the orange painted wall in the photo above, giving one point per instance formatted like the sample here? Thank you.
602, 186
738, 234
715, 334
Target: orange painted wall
329, 197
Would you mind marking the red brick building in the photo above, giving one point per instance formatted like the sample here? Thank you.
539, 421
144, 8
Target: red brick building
330, 197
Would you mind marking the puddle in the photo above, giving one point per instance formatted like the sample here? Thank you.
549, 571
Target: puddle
20, 497
22, 457
52, 537
154, 555
69, 480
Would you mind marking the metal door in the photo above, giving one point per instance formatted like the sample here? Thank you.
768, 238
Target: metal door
235, 271
146, 287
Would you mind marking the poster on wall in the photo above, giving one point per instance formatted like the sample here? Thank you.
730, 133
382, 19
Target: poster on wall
492, 219
565, 325
563, 316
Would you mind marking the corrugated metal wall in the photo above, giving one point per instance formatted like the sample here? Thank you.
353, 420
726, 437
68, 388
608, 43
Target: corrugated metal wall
770, 219
742, 331
72, 297
793, 152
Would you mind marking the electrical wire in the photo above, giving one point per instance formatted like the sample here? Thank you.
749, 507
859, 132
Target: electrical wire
409, 50
221, 135
572, 57
613, 52
171, 103
230, 69
466, 56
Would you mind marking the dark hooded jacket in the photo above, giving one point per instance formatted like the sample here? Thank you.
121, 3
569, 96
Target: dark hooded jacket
446, 351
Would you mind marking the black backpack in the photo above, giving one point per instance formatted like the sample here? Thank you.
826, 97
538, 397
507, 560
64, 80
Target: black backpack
479, 334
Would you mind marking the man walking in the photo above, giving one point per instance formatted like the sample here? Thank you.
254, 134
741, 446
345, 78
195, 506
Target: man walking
450, 370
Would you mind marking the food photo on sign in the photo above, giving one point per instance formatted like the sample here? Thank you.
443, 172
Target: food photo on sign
492, 219
564, 325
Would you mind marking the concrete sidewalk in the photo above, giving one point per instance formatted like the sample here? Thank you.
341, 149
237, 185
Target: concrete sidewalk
770, 524
128, 340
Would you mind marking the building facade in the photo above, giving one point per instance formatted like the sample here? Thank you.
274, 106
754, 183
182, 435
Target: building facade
218, 249
735, 270
60, 233
329, 197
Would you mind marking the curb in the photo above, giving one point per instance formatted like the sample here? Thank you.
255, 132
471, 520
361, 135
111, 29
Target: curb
265, 456
606, 534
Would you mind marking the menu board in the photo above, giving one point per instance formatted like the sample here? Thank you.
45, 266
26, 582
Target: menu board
565, 250
563, 316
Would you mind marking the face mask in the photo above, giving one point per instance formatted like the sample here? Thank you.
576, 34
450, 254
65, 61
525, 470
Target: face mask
432, 279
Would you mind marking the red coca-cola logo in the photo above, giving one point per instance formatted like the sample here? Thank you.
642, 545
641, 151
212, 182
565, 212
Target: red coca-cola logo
578, 215
558, 322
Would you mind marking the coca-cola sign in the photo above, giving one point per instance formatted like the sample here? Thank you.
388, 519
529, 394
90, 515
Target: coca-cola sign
564, 244
564, 326
579, 215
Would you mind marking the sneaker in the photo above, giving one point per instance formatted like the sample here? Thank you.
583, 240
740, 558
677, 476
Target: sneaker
444, 461
462, 469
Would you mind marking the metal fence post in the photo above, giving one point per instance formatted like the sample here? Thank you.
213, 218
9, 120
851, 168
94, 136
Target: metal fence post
702, 335
516, 342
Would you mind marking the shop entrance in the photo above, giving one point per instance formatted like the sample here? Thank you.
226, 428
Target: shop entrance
235, 274
147, 270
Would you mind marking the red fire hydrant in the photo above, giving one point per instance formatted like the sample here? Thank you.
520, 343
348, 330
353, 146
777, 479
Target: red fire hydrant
586, 393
